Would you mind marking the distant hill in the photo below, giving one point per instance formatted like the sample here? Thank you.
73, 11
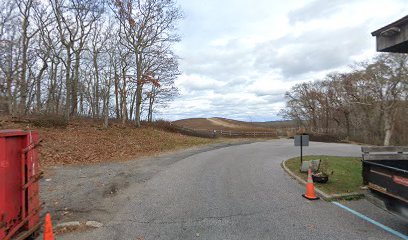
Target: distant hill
217, 123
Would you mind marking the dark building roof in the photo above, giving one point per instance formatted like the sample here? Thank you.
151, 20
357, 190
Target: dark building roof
393, 37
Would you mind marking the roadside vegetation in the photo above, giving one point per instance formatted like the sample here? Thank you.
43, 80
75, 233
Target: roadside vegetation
368, 104
85, 141
344, 173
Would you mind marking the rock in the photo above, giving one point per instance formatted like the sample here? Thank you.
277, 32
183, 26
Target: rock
93, 224
68, 224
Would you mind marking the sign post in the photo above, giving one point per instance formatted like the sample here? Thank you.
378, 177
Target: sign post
301, 140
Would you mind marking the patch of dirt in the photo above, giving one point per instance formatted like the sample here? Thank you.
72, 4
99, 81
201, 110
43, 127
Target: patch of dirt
64, 230
220, 122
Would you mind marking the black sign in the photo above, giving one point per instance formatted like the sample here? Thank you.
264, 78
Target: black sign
302, 140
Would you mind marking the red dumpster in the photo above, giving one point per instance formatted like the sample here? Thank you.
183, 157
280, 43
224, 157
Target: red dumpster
19, 191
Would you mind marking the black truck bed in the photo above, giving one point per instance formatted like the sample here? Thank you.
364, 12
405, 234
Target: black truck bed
396, 165
388, 178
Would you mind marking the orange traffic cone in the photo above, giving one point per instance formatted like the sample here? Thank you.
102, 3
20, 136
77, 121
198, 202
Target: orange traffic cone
48, 234
310, 193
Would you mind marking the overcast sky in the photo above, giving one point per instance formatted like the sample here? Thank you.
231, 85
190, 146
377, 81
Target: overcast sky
239, 57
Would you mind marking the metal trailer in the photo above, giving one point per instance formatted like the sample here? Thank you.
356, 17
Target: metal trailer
19, 189
385, 172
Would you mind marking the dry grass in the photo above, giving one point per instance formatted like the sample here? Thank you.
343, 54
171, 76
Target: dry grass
89, 145
344, 173
85, 142
222, 124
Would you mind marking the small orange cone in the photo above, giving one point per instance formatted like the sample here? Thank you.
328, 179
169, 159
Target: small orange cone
310, 193
48, 234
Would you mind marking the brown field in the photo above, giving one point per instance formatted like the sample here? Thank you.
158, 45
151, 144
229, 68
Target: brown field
223, 124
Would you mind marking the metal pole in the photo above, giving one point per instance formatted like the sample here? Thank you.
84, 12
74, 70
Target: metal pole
301, 150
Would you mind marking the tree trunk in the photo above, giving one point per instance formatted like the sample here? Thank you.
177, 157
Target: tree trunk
347, 116
388, 126
9, 80
95, 63
81, 100
132, 105
117, 107
124, 98
106, 109
151, 101
138, 88
68, 84
38, 85
24, 64
75, 84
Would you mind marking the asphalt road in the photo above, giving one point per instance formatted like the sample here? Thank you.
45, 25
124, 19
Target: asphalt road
237, 192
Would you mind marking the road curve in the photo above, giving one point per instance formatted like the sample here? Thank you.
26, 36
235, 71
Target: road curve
238, 192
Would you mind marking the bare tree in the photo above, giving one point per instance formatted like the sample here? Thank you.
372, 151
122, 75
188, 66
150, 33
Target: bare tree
76, 57
371, 100
387, 77
74, 28
145, 24
8, 41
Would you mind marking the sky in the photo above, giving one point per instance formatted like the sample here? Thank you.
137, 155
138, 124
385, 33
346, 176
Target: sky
239, 57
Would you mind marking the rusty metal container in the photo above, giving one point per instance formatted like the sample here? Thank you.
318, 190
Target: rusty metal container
19, 190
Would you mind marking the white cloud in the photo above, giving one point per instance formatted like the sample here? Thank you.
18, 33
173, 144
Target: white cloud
188, 83
239, 57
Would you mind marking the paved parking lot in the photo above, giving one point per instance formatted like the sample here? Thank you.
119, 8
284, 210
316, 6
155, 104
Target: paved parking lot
238, 192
